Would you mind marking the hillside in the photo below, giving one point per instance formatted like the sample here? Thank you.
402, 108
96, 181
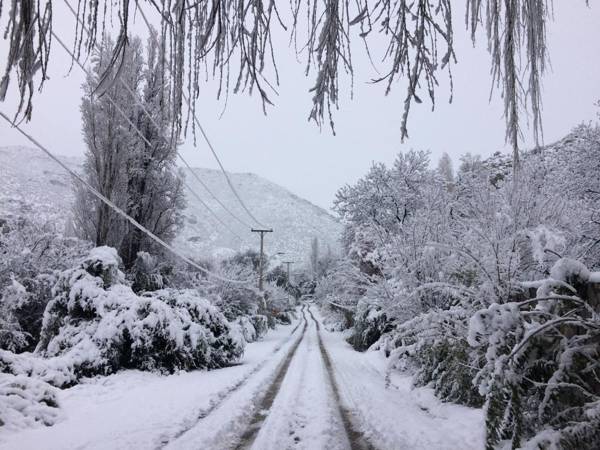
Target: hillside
32, 184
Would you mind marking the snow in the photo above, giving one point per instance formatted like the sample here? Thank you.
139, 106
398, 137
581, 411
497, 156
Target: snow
544, 238
304, 415
191, 410
27, 402
399, 416
496, 319
135, 409
594, 277
565, 269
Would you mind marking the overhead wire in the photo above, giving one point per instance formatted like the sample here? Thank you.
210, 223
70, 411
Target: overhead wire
200, 127
118, 210
214, 153
141, 135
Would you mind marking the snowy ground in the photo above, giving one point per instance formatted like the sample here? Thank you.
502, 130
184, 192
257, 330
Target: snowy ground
283, 396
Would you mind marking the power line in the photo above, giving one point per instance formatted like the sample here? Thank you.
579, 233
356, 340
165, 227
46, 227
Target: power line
84, 28
115, 207
139, 133
200, 127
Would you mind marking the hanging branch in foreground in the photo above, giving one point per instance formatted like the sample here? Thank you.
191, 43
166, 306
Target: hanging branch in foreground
212, 37
516, 35
28, 34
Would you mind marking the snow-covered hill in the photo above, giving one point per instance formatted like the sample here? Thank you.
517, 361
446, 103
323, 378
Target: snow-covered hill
32, 184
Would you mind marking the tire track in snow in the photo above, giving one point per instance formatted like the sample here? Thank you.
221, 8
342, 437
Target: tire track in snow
355, 438
219, 398
304, 415
266, 402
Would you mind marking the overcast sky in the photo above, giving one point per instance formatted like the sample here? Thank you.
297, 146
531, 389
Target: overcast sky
285, 148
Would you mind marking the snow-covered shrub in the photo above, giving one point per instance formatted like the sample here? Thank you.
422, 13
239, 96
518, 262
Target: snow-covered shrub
284, 317
434, 347
30, 254
102, 326
252, 328
22, 308
29, 248
234, 299
338, 294
370, 323
26, 402
12, 336
146, 274
261, 324
246, 329
278, 305
336, 319
541, 377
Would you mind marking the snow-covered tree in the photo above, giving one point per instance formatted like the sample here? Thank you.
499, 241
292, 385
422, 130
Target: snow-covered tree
314, 257
109, 141
131, 164
445, 168
154, 191
30, 254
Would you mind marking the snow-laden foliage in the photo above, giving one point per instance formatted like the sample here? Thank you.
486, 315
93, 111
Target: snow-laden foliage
541, 369
26, 402
147, 274
95, 324
434, 347
12, 335
253, 312
30, 256
370, 323
439, 264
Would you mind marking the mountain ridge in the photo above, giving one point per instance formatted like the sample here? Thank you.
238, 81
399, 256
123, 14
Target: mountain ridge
34, 184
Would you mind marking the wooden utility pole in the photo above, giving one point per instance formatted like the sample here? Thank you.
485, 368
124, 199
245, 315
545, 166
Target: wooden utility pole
262, 232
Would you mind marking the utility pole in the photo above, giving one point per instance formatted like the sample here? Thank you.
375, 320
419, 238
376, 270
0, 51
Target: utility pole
262, 232
288, 263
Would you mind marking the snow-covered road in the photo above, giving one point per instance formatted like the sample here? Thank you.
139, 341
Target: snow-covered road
299, 388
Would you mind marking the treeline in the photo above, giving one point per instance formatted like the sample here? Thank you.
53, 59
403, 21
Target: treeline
480, 283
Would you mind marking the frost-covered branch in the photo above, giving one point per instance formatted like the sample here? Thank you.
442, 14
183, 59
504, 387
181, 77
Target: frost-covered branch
233, 42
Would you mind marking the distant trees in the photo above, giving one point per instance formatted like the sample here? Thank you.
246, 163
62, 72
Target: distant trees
314, 257
445, 168
133, 166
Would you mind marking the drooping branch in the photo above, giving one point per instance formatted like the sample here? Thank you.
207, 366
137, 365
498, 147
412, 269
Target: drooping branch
516, 36
210, 37
28, 35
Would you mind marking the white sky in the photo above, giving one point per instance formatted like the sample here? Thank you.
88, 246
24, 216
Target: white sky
285, 148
